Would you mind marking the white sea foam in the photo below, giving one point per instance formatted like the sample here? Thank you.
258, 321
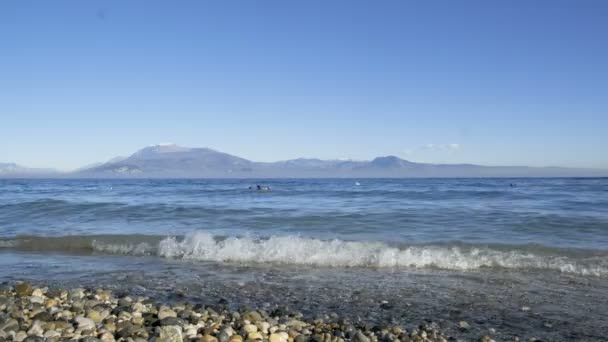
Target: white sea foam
296, 250
337, 253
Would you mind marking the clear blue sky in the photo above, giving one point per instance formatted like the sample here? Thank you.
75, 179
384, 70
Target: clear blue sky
487, 82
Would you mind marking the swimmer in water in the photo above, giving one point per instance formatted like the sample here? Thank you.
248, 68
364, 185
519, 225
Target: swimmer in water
259, 188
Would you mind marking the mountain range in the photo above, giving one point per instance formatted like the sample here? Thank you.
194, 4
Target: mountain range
173, 161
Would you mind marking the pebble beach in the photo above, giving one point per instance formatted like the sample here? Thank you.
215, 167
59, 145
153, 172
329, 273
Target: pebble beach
29, 313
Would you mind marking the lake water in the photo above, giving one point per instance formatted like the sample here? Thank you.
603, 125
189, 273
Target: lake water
334, 244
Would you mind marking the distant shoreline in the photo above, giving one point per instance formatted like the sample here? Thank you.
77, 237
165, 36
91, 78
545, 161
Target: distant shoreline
176, 162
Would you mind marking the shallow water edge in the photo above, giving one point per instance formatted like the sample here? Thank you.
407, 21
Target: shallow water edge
550, 306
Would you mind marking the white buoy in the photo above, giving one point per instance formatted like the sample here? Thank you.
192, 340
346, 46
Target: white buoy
357, 183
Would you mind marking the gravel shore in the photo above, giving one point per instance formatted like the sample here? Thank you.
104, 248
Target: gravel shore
28, 313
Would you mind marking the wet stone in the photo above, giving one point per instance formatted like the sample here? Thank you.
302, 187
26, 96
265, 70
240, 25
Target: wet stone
462, 325
223, 336
252, 317
124, 302
208, 338
170, 333
23, 289
360, 337
89, 339
172, 321
117, 310
10, 325
236, 338
85, 323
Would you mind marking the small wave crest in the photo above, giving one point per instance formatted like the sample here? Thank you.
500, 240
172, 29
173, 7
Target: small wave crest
142, 248
337, 253
297, 250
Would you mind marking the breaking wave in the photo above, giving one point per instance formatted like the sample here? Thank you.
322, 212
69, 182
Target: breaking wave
337, 253
296, 250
